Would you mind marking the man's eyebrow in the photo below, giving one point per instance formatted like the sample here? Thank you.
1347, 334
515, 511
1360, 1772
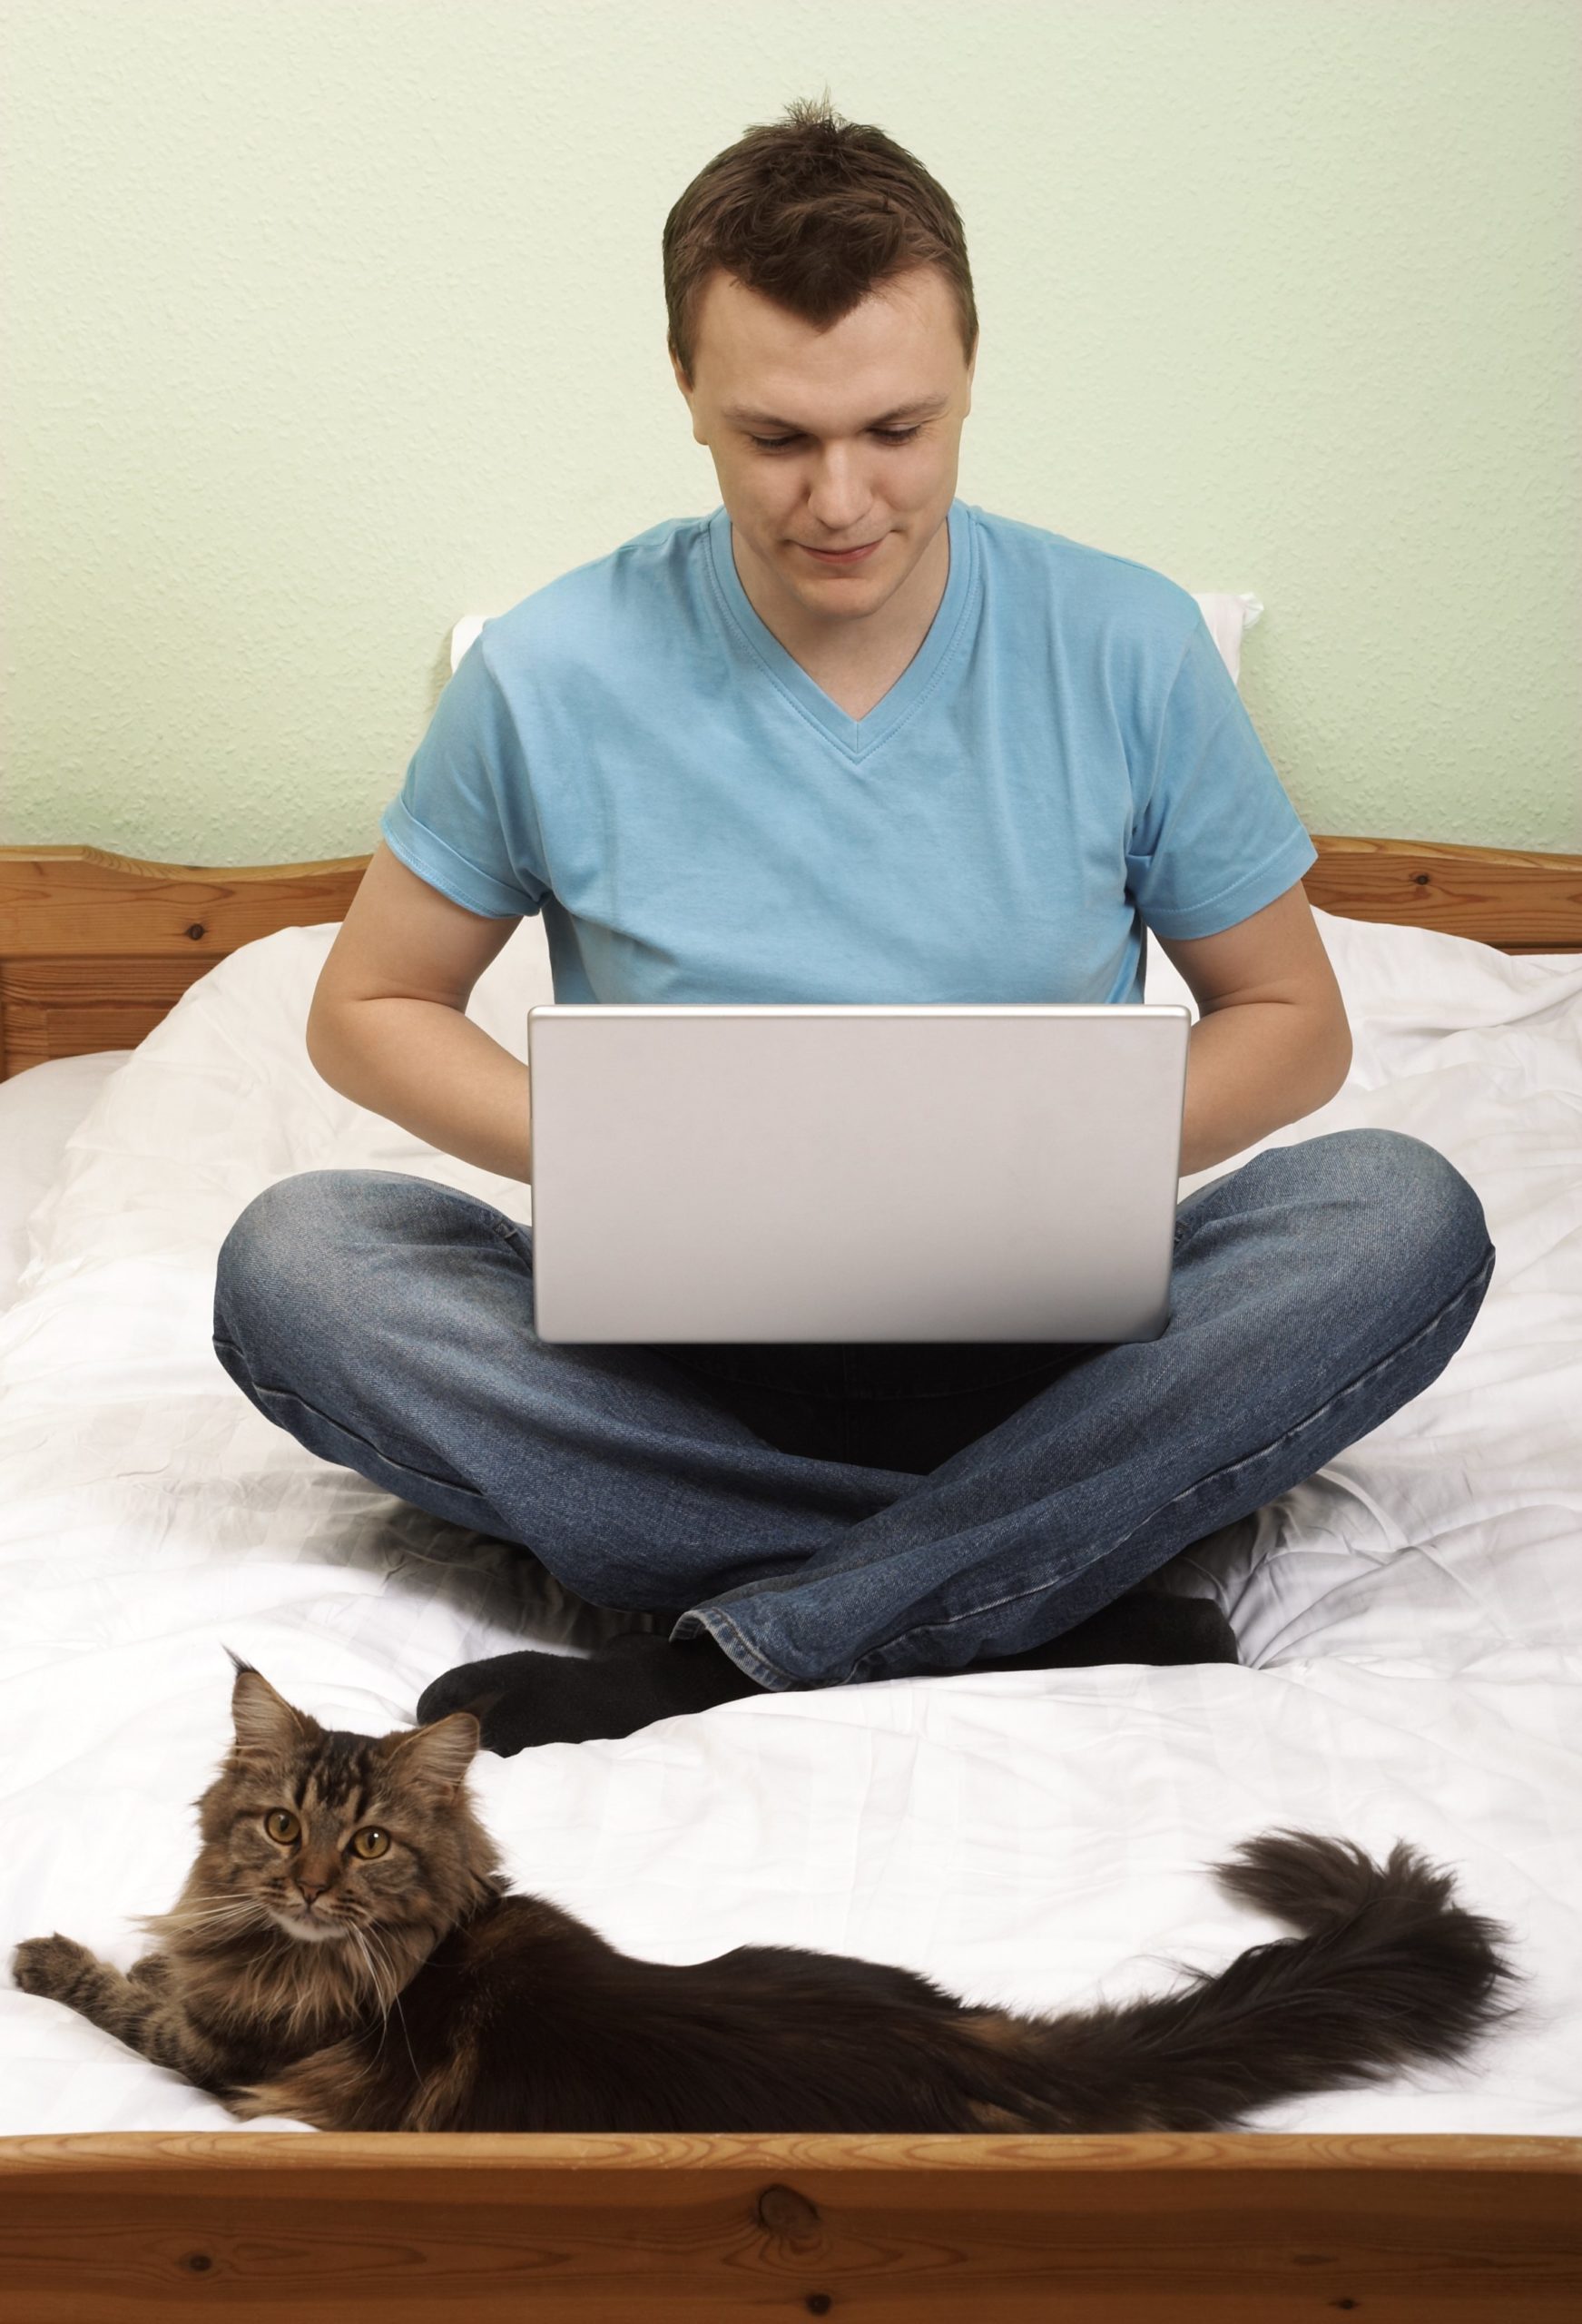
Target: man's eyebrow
902, 411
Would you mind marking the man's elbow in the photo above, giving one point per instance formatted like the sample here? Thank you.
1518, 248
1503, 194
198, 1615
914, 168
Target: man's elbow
1331, 1055
324, 1049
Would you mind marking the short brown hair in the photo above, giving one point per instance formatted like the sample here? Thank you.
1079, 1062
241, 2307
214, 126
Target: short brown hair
813, 212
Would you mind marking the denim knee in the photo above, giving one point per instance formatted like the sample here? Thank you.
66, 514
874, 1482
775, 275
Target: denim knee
1415, 1204
280, 1250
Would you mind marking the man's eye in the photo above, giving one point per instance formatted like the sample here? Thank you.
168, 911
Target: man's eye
885, 435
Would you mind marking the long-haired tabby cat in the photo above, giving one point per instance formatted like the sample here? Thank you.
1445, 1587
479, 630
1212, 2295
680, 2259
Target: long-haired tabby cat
345, 1953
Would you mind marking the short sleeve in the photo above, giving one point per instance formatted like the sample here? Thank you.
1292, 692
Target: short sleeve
1213, 836
464, 819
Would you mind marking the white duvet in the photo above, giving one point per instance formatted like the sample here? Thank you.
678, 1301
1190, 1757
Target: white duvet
1410, 1618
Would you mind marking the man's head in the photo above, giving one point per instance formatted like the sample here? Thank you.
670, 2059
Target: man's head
816, 279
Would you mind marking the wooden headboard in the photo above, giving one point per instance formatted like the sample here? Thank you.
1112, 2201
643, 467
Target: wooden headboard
95, 948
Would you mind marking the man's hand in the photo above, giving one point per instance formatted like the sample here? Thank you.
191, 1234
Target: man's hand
1271, 1042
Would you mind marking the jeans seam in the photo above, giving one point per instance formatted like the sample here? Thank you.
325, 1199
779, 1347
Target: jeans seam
449, 1485
1017, 1597
756, 1665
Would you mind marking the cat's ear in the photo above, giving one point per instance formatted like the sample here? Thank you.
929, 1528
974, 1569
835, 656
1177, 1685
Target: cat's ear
436, 1757
267, 1726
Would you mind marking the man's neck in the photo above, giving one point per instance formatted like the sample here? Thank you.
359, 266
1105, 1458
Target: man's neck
848, 656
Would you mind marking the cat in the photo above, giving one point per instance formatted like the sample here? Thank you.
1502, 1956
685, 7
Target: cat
346, 1952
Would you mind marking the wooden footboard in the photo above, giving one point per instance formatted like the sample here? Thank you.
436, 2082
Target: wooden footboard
332, 2230
95, 948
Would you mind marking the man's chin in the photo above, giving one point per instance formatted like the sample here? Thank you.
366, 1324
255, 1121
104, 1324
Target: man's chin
824, 589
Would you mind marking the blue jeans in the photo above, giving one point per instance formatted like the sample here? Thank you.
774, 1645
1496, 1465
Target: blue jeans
838, 1514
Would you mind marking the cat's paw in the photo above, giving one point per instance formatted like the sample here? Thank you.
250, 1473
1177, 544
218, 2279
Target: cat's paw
54, 1965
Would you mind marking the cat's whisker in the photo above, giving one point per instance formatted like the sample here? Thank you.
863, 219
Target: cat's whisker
364, 1941
383, 1966
198, 1919
359, 1940
401, 2015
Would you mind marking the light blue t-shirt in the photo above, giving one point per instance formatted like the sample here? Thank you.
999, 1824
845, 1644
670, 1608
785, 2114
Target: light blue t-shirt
632, 751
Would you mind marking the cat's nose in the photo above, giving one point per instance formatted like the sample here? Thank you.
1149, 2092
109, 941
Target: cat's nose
308, 1894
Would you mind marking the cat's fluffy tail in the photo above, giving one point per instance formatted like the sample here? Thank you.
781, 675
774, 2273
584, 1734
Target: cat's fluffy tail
1388, 1972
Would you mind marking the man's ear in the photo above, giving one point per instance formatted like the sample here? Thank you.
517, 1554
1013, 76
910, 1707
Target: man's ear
689, 392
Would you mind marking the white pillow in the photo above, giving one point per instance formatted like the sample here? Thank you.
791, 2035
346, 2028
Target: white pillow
1229, 618
39, 1109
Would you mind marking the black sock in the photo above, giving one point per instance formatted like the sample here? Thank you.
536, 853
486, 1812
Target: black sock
526, 1699
1145, 1626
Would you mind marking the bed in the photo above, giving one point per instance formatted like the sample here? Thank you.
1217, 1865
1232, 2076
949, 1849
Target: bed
1411, 1622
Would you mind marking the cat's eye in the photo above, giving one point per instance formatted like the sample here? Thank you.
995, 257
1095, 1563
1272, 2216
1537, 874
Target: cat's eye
281, 1825
371, 1841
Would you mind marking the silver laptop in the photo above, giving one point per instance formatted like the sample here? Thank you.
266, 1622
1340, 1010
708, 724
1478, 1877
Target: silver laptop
853, 1173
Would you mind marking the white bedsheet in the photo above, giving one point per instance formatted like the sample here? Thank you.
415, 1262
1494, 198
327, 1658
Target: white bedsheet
1410, 1618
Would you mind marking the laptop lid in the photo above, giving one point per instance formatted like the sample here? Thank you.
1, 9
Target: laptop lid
823, 1173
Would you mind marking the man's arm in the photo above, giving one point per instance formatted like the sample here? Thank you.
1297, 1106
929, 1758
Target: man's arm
1271, 1042
389, 1025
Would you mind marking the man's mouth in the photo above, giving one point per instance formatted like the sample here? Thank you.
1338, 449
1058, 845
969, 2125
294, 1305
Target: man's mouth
843, 555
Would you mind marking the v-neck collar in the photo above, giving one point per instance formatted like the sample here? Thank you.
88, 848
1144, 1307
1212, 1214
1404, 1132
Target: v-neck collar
857, 737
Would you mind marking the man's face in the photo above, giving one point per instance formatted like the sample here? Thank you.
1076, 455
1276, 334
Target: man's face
812, 447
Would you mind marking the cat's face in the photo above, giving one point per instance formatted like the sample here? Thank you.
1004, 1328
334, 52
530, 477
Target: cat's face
327, 1834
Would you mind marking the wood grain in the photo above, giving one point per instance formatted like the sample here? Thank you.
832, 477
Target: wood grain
1518, 903
1242, 2228
95, 948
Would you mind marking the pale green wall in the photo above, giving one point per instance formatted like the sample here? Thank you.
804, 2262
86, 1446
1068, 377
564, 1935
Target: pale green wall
328, 323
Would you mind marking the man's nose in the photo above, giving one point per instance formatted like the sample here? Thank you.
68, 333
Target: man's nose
839, 493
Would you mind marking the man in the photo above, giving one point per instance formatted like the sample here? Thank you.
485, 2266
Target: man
848, 739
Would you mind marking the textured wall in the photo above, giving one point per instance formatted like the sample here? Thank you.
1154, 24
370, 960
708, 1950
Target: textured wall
328, 323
